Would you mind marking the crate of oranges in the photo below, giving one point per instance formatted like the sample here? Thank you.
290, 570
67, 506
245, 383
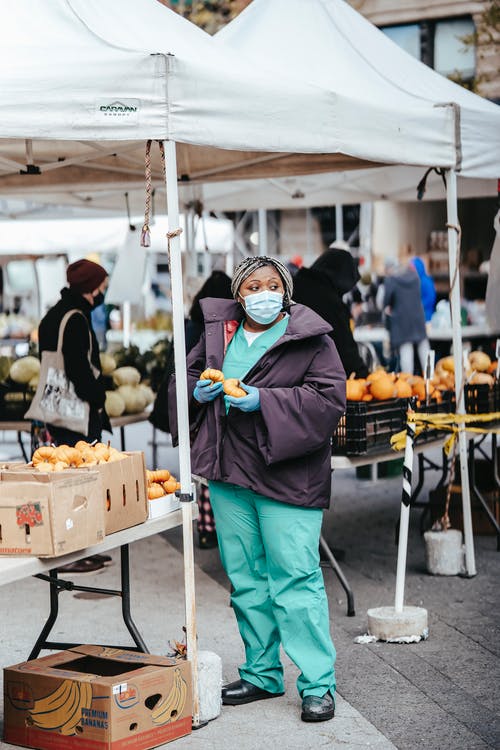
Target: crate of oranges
376, 409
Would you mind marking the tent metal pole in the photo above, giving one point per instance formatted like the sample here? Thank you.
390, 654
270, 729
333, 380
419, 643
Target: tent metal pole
262, 214
191, 264
339, 222
126, 324
453, 230
182, 416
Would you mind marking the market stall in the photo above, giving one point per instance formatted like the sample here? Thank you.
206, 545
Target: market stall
104, 78
78, 109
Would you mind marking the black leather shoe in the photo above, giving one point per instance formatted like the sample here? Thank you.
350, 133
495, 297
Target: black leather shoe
207, 540
241, 691
315, 708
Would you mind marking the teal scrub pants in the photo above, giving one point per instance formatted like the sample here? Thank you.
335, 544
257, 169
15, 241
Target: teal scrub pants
270, 552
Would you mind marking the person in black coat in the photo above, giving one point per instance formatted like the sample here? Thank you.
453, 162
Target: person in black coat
321, 288
217, 285
87, 282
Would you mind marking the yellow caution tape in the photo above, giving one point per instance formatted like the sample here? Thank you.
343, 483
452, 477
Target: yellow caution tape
453, 423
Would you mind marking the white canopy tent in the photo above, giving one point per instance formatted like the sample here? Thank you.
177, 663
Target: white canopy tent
328, 42
333, 39
122, 72
95, 80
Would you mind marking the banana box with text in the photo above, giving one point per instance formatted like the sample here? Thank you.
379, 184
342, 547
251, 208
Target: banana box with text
124, 491
97, 697
48, 515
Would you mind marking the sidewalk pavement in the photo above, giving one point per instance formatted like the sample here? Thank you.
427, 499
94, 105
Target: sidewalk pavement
439, 694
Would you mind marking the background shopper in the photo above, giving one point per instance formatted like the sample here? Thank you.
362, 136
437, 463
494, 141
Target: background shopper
87, 283
405, 315
321, 287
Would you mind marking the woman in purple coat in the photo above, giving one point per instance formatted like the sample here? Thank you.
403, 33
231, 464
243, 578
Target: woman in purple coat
267, 458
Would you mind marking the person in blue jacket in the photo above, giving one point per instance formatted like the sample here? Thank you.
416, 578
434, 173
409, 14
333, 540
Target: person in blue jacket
427, 288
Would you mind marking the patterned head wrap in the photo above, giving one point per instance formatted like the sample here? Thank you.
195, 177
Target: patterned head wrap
249, 265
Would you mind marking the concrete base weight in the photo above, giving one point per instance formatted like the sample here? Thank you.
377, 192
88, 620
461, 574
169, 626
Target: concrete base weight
387, 625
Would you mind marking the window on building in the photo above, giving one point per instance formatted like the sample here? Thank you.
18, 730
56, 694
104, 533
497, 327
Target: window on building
406, 36
439, 44
451, 55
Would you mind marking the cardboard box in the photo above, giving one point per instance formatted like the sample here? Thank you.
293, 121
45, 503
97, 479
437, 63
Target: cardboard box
48, 515
161, 506
99, 698
124, 491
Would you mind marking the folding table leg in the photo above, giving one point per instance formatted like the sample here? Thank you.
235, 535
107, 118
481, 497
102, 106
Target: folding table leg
21, 445
477, 492
127, 617
54, 609
338, 572
58, 585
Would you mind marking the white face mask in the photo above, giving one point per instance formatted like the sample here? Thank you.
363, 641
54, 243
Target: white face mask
264, 307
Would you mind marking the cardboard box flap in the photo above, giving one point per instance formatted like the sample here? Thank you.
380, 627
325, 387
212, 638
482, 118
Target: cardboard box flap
66, 478
123, 655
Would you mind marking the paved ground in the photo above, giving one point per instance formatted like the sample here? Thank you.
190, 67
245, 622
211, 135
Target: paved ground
443, 693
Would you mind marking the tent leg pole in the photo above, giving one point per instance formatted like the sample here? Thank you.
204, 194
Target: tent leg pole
404, 520
339, 222
182, 416
262, 214
191, 261
454, 260
126, 323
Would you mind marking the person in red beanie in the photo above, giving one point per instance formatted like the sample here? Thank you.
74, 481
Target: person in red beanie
87, 283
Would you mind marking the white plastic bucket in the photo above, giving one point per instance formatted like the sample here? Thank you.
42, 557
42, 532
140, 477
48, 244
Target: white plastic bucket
444, 552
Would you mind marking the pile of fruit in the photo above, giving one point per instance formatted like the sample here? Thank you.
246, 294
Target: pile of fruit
129, 395
126, 393
381, 385
480, 370
152, 364
49, 458
161, 483
15, 326
18, 383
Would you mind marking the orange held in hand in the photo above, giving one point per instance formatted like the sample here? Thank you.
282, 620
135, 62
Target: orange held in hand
216, 376
232, 388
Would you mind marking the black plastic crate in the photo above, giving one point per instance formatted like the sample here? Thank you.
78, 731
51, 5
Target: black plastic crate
15, 401
482, 399
367, 426
446, 406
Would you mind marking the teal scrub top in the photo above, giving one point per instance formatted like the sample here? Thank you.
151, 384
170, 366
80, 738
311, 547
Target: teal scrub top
239, 360
241, 357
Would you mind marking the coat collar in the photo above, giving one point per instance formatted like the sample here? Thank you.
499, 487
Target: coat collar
303, 322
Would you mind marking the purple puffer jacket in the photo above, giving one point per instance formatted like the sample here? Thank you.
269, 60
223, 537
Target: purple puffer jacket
282, 451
